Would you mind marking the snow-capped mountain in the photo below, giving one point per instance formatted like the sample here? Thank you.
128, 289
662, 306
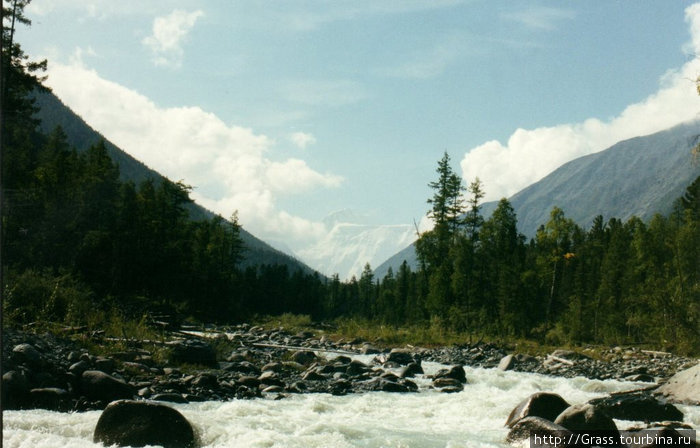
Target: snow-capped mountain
349, 244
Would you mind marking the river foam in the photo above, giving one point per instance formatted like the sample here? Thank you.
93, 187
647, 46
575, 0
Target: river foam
427, 419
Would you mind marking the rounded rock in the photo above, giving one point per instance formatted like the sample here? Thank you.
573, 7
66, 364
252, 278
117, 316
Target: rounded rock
139, 423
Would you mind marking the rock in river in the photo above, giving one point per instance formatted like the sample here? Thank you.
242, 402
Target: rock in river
139, 423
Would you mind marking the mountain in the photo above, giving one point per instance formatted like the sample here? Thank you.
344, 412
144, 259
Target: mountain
349, 244
52, 113
639, 177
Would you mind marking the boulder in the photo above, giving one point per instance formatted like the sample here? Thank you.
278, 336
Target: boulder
97, 385
454, 372
140, 423
411, 370
15, 390
528, 427
448, 384
28, 355
304, 357
51, 398
637, 406
507, 363
541, 404
392, 386
192, 352
400, 356
586, 418
368, 349
683, 387
79, 367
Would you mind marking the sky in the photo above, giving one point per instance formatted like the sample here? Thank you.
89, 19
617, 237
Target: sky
291, 110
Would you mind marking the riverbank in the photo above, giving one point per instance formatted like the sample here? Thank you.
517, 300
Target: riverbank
78, 372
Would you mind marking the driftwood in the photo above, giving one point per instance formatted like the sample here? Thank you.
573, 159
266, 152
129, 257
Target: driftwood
655, 353
305, 349
560, 360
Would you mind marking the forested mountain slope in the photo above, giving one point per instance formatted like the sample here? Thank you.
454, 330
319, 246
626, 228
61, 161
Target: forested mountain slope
636, 177
53, 113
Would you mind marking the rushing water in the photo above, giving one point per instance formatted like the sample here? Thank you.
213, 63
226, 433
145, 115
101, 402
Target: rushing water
427, 419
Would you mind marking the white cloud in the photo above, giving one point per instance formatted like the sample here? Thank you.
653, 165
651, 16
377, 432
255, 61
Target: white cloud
529, 155
227, 165
302, 139
168, 33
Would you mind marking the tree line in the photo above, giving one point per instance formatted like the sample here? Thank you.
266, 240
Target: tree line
616, 282
77, 242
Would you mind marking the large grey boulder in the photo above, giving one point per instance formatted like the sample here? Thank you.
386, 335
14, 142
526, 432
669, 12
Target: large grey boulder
683, 387
140, 423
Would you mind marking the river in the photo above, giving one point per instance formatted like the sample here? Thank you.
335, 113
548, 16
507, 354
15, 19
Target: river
428, 419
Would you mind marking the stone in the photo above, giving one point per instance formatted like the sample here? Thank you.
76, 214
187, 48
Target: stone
248, 381
683, 387
541, 404
304, 357
169, 397
446, 382
356, 368
313, 375
411, 370
526, 427
27, 354
15, 390
454, 372
272, 366
400, 356
97, 385
586, 418
140, 423
391, 386
51, 398
368, 349
638, 406
507, 363
192, 352
79, 367
105, 365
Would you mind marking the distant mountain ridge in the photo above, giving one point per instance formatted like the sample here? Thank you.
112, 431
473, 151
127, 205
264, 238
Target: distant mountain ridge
52, 113
639, 177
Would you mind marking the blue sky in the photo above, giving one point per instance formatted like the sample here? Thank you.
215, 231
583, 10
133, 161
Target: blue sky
290, 110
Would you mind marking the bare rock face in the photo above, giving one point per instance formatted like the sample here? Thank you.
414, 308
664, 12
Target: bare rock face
141, 423
542, 404
683, 387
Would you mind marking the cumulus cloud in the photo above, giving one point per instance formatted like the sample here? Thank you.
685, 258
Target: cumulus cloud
302, 139
228, 165
529, 155
168, 33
